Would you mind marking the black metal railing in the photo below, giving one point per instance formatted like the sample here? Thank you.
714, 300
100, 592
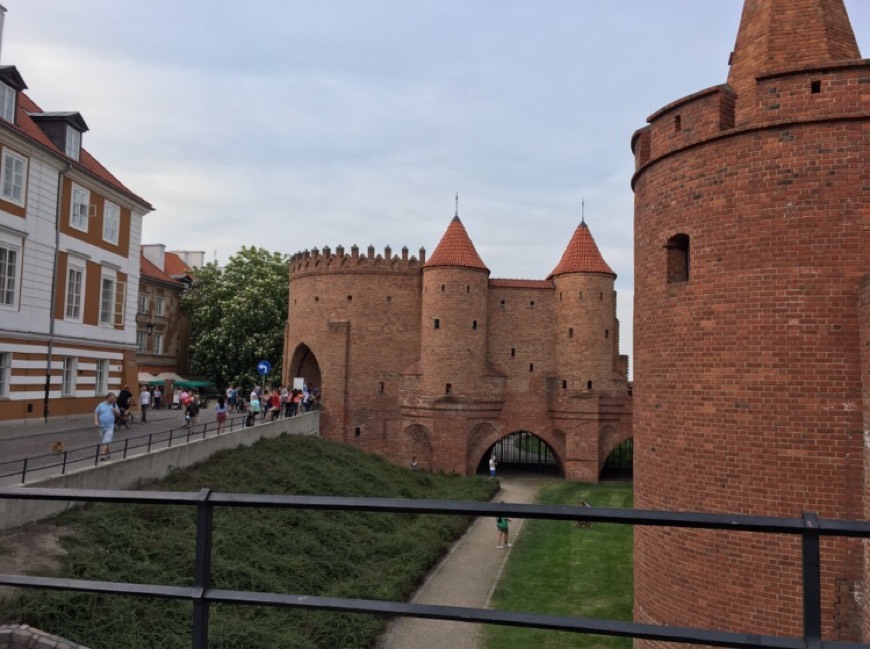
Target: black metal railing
133, 444
809, 527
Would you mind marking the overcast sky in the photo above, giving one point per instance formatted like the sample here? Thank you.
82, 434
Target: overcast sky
290, 125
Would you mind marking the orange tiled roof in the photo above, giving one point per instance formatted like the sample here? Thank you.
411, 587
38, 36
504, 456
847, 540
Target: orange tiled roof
456, 249
86, 161
581, 255
148, 269
174, 266
520, 283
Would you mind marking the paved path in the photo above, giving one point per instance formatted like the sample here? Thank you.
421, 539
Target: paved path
466, 577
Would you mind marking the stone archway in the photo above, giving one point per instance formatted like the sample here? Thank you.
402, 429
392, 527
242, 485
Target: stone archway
615, 449
521, 451
418, 441
304, 364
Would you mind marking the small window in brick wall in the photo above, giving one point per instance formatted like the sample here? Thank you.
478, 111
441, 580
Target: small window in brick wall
588, 385
678, 123
474, 325
564, 385
468, 289
502, 302
316, 299
532, 303
356, 431
448, 388
815, 87
381, 386
677, 250
442, 288
513, 352
607, 333
350, 298
531, 367
570, 332
437, 323
580, 297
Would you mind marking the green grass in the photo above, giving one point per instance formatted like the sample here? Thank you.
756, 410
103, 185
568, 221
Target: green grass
301, 552
559, 568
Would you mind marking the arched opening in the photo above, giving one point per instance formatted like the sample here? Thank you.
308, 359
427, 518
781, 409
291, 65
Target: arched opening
678, 258
304, 365
418, 447
521, 452
619, 465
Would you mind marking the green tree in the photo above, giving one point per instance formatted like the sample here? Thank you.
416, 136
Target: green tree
238, 315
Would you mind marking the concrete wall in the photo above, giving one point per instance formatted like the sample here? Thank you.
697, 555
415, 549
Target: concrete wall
142, 469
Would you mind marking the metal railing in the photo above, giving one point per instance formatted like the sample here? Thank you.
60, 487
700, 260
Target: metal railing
134, 444
809, 527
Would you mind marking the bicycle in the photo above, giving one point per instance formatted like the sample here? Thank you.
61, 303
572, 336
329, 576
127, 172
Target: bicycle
126, 419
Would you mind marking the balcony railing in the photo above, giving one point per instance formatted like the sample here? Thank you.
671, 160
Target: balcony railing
809, 527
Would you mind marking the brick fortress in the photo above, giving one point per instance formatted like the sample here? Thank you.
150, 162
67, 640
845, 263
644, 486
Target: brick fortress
752, 326
434, 359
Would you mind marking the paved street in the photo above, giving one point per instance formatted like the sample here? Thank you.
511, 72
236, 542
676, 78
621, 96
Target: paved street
34, 440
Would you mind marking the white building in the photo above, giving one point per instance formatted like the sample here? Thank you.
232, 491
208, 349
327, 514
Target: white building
69, 264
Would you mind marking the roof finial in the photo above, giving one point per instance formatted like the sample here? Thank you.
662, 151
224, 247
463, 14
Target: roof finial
582, 211
456, 214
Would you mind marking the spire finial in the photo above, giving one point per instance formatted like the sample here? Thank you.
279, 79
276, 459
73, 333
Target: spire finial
582, 211
456, 214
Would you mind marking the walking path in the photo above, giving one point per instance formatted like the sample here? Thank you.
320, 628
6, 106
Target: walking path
467, 576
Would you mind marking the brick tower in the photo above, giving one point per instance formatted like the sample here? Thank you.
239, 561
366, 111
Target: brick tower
751, 246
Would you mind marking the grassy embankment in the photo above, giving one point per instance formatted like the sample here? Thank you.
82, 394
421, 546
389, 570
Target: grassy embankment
285, 551
559, 568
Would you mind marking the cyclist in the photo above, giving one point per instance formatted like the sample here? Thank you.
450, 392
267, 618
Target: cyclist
125, 400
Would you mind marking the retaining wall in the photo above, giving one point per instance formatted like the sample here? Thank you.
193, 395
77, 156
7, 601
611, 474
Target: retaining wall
142, 469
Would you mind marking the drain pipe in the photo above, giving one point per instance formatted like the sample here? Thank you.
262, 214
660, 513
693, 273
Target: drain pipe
51, 308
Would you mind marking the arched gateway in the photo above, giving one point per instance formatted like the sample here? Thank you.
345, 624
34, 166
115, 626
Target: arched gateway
522, 452
304, 365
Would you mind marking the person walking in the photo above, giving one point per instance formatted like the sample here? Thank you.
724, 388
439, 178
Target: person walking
221, 410
104, 419
492, 465
502, 524
144, 402
158, 394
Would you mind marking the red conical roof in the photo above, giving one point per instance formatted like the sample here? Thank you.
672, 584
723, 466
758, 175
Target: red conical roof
581, 255
456, 249
781, 35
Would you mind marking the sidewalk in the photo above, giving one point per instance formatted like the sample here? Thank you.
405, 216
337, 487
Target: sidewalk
466, 577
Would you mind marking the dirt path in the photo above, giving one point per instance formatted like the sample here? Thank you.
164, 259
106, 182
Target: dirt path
466, 577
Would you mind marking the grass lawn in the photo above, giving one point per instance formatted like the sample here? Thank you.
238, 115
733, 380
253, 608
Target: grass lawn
559, 568
334, 554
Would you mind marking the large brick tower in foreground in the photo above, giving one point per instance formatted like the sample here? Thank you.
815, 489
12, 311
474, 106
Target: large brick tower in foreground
437, 360
752, 324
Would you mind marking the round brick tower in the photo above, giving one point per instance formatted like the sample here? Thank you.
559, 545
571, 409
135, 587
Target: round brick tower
750, 246
454, 316
585, 315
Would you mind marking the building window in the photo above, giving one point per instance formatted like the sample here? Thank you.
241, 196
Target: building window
107, 300
437, 323
678, 258
68, 386
448, 389
159, 303
143, 303
588, 385
5, 373
74, 282
157, 344
7, 102
607, 333
79, 208
564, 384
14, 173
8, 275
141, 337
101, 382
513, 352
73, 142
570, 332
111, 222
474, 325
381, 386
531, 367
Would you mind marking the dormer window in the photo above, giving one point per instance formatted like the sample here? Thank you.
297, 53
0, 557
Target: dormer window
73, 142
7, 102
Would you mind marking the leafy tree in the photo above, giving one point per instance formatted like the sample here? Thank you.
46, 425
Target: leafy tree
238, 315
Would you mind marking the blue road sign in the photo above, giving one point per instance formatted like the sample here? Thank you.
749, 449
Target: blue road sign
264, 367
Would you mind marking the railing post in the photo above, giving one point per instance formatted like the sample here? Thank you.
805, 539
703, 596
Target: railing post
97, 456
202, 577
171, 430
149, 442
63, 467
812, 581
126, 443
24, 471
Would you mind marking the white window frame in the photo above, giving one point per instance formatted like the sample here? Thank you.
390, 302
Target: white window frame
101, 378
73, 142
111, 222
10, 284
5, 374
157, 343
15, 179
68, 379
80, 205
143, 303
74, 301
108, 288
141, 341
7, 102
160, 308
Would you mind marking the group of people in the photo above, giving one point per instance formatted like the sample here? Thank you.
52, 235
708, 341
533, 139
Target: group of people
270, 404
